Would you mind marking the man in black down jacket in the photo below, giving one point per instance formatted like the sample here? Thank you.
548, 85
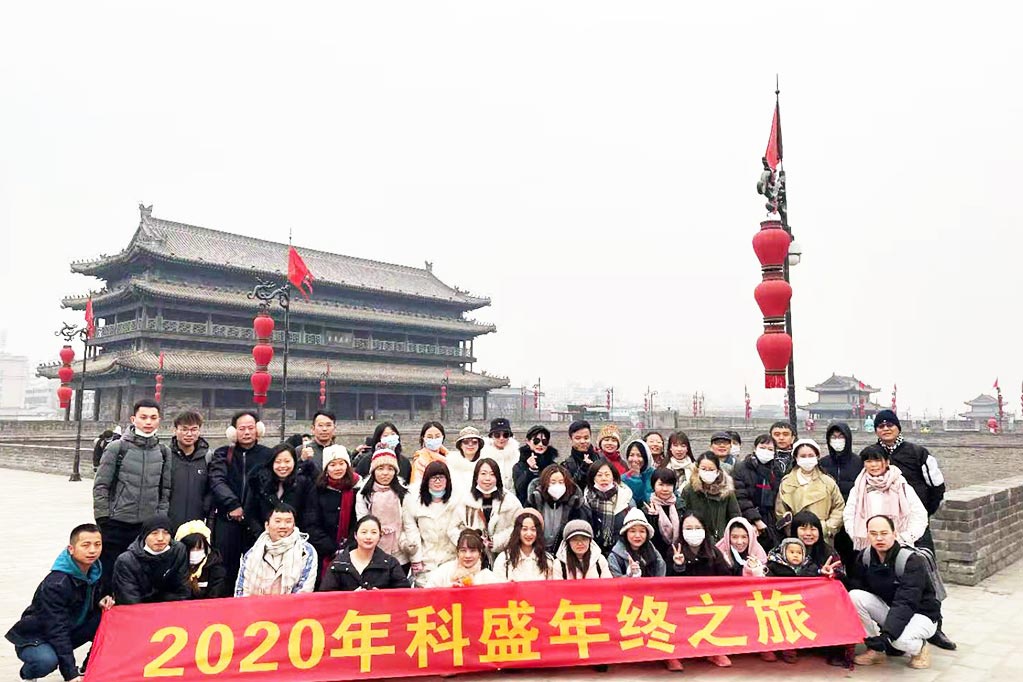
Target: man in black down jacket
190, 498
842, 465
154, 569
65, 609
756, 488
896, 611
920, 469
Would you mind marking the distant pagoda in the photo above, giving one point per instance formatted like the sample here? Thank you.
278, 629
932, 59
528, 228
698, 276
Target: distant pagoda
840, 397
388, 332
983, 408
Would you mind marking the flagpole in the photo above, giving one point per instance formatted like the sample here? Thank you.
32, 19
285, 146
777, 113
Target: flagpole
76, 474
783, 213
284, 377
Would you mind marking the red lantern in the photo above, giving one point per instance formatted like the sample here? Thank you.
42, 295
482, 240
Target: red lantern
771, 244
773, 296
263, 326
156, 396
260, 385
775, 349
159, 378
67, 355
66, 374
262, 354
64, 396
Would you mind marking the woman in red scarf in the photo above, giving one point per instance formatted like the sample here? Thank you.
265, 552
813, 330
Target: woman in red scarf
330, 512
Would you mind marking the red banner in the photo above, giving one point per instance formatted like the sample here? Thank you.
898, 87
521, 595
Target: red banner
395, 633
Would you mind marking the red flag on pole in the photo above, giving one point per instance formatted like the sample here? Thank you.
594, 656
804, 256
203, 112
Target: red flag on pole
773, 155
996, 383
90, 319
298, 273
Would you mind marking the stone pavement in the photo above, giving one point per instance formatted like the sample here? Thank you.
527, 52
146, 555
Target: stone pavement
986, 620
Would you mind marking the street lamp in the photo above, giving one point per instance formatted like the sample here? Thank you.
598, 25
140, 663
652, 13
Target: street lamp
263, 352
66, 373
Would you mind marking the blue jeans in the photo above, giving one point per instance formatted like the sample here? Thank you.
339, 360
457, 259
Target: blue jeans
41, 659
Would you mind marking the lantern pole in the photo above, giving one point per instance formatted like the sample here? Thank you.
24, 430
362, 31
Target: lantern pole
266, 291
69, 333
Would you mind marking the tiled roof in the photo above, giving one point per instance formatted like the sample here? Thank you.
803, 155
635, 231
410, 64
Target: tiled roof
839, 407
841, 383
237, 365
983, 400
213, 248
223, 296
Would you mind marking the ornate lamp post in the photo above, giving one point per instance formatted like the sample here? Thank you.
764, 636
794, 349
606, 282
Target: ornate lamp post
536, 397
323, 386
263, 326
444, 396
66, 374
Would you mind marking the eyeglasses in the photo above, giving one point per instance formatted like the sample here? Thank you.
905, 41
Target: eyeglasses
501, 434
884, 425
537, 440
188, 429
438, 477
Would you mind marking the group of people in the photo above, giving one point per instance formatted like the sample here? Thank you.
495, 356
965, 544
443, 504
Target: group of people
177, 521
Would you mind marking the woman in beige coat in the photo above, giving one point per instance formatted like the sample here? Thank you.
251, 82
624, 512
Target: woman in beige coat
808, 488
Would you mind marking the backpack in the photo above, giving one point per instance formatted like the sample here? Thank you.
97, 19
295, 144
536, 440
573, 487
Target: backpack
122, 452
101, 444
930, 564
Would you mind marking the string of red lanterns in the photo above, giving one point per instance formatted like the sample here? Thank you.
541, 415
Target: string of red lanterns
262, 353
66, 374
773, 295
159, 381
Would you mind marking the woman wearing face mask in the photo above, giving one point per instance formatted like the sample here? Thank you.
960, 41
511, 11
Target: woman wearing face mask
711, 494
881, 489
278, 481
429, 515
329, 517
207, 577
808, 488
535, 456
608, 501
578, 557
638, 472
843, 465
696, 555
364, 566
431, 438
526, 557
555, 495
655, 444
680, 458
386, 433
664, 513
757, 480
471, 566
463, 459
382, 495
488, 508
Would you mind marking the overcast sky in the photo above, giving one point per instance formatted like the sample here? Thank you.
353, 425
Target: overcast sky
590, 166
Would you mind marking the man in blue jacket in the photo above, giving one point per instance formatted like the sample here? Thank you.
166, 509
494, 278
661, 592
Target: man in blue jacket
65, 610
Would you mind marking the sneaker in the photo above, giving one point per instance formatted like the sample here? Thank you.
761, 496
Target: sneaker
768, 656
921, 660
674, 665
720, 661
870, 657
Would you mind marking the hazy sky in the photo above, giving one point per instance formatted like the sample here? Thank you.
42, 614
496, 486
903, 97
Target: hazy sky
590, 166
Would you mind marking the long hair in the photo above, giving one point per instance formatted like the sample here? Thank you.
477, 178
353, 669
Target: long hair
576, 566
434, 469
471, 538
378, 433
545, 480
288, 480
496, 470
514, 550
706, 549
347, 481
426, 427
679, 438
395, 485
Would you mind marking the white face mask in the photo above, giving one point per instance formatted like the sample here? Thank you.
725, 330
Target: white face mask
391, 441
765, 455
807, 463
735, 451
487, 491
556, 490
708, 476
433, 444
694, 536
837, 444
604, 487
196, 556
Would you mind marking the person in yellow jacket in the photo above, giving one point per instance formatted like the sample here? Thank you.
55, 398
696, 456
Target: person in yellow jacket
808, 488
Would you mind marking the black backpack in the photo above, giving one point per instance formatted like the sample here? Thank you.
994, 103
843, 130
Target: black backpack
930, 563
105, 439
122, 452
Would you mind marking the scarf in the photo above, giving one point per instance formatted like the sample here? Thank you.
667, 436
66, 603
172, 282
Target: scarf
274, 567
893, 447
460, 574
385, 505
895, 503
615, 460
668, 521
715, 489
730, 554
424, 457
677, 465
603, 506
344, 519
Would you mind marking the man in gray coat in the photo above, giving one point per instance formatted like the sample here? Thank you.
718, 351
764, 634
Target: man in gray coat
132, 484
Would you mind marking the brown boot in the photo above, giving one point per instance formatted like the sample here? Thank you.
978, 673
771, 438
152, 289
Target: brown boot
674, 665
921, 660
870, 657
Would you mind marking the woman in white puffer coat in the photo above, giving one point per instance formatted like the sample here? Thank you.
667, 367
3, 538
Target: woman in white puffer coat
430, 522
489, 508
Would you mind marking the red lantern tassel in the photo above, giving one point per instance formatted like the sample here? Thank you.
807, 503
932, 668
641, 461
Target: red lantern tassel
774, 380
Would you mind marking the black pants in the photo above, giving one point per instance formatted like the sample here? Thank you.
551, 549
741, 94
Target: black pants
117, 536
232, 539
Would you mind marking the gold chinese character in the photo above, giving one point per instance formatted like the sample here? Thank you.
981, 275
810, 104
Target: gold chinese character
357, 633
506, 634
717, 613
573, 626
654, 626
781, 618
431, 637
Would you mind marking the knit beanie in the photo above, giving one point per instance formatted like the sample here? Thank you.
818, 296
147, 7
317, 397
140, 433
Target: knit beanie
332, 452
383, 455
635, 517
887, 416
192, 527
610, 431
577, 527
155, 523
578, 425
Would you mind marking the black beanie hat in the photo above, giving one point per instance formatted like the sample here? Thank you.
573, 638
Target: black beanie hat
155, 523
578, 425
887, 416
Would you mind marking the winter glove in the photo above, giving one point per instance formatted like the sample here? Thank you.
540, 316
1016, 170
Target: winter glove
879, 643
